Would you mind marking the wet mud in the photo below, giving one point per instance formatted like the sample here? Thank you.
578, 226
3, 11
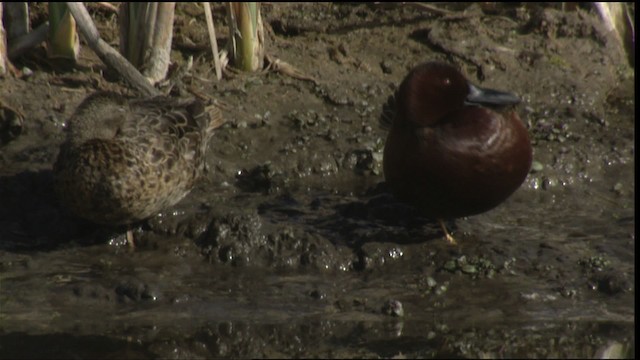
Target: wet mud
290, 245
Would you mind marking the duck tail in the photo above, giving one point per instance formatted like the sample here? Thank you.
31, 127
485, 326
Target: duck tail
215, 118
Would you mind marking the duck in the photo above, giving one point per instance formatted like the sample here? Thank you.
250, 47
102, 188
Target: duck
124, 160
453, 149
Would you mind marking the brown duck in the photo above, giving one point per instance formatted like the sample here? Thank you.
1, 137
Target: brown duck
454, 149
125, 160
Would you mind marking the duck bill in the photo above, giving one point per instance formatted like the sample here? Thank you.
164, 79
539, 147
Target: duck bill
490, 97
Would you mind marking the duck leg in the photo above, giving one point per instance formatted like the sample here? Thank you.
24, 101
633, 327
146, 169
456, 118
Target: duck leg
132, 244
450, 239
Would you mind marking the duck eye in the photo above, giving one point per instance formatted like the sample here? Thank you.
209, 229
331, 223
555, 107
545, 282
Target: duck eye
446, 82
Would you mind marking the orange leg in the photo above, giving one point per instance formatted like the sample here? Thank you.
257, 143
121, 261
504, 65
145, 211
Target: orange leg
447, 235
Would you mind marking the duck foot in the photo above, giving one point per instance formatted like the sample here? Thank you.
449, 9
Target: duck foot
450, 239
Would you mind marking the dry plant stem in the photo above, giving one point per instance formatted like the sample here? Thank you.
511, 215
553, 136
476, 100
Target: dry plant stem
123, 29
136, 22
17, 15
247, 36
4, 59
106, 53
285, 68
145, 30
23, 44
259, 45
212, 39
151, 18
431, 8
159, 55
242, 37
617, 20
63, 41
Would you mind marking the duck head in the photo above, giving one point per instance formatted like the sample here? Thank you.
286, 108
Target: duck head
432, 91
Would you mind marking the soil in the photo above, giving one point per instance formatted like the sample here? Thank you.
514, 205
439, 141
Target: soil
290, 246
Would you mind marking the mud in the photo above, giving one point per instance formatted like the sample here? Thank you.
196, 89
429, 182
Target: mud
291, 247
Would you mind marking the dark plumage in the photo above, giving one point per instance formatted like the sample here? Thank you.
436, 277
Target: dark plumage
450, 151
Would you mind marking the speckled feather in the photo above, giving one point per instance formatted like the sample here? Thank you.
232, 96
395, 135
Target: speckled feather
125, 160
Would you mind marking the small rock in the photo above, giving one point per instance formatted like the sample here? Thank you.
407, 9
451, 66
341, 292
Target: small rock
386, 66
469, 269
393, 308
536, 166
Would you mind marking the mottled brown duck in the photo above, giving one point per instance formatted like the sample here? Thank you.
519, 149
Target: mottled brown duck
125, 160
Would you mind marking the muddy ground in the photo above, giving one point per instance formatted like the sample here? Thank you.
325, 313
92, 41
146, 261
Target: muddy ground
290, 247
